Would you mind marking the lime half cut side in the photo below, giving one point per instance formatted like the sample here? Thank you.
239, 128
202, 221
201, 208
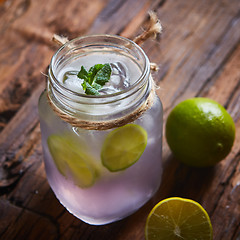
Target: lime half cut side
71, 161
178, 218
123, 147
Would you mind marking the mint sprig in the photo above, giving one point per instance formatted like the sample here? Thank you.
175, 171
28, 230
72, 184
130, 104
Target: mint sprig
95, 78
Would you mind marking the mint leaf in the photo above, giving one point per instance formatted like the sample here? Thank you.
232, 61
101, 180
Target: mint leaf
83, 74
103, 75
95, 78
93, 71
96, 86
91, 90
84, 86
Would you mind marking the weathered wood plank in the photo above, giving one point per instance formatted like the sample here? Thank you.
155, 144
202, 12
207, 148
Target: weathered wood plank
116, 16
20, 75
196, 48
226, 90
229, 77
28, 27
16, 226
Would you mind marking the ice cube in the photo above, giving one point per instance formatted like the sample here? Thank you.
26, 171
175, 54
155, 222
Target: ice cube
107, 90
119, 79
72, 81
69, 75
120, 76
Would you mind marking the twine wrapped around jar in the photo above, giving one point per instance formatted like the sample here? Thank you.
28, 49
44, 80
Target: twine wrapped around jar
154, 28
104, 125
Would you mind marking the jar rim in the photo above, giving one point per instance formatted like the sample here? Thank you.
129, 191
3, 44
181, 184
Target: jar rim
137, 84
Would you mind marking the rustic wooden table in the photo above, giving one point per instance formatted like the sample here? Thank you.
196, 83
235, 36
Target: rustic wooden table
198, 55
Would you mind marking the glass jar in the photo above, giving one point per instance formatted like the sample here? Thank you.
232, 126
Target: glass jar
102, 153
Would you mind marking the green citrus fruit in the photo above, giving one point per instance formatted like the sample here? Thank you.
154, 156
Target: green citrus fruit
71, 161
177, 219
200, 132
123, 147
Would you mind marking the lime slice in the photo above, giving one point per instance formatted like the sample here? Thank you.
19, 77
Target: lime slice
178, 218
71, 161
123, 147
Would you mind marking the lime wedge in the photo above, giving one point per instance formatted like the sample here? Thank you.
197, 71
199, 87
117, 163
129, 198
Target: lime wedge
178, 218
71, 161
123, 147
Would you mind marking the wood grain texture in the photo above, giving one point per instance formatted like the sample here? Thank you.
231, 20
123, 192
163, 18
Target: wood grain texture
198, 54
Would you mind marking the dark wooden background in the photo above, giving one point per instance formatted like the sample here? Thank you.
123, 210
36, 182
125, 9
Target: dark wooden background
198, 54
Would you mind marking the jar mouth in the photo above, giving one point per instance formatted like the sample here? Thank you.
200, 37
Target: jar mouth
106, 40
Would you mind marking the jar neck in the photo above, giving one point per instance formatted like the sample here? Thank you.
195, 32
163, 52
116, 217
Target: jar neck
101, 107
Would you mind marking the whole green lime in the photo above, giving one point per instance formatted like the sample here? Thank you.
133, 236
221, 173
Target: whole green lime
200, 132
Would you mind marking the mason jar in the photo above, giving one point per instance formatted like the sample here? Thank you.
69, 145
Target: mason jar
102, 153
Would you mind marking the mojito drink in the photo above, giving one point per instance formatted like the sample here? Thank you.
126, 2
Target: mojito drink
101, 175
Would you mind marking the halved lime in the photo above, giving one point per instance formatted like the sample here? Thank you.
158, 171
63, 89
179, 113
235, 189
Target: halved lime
178, 218
123, 147
71, 161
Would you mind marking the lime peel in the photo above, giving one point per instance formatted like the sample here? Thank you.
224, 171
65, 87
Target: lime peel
200, 132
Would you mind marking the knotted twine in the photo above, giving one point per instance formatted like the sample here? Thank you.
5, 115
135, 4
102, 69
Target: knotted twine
154, 28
